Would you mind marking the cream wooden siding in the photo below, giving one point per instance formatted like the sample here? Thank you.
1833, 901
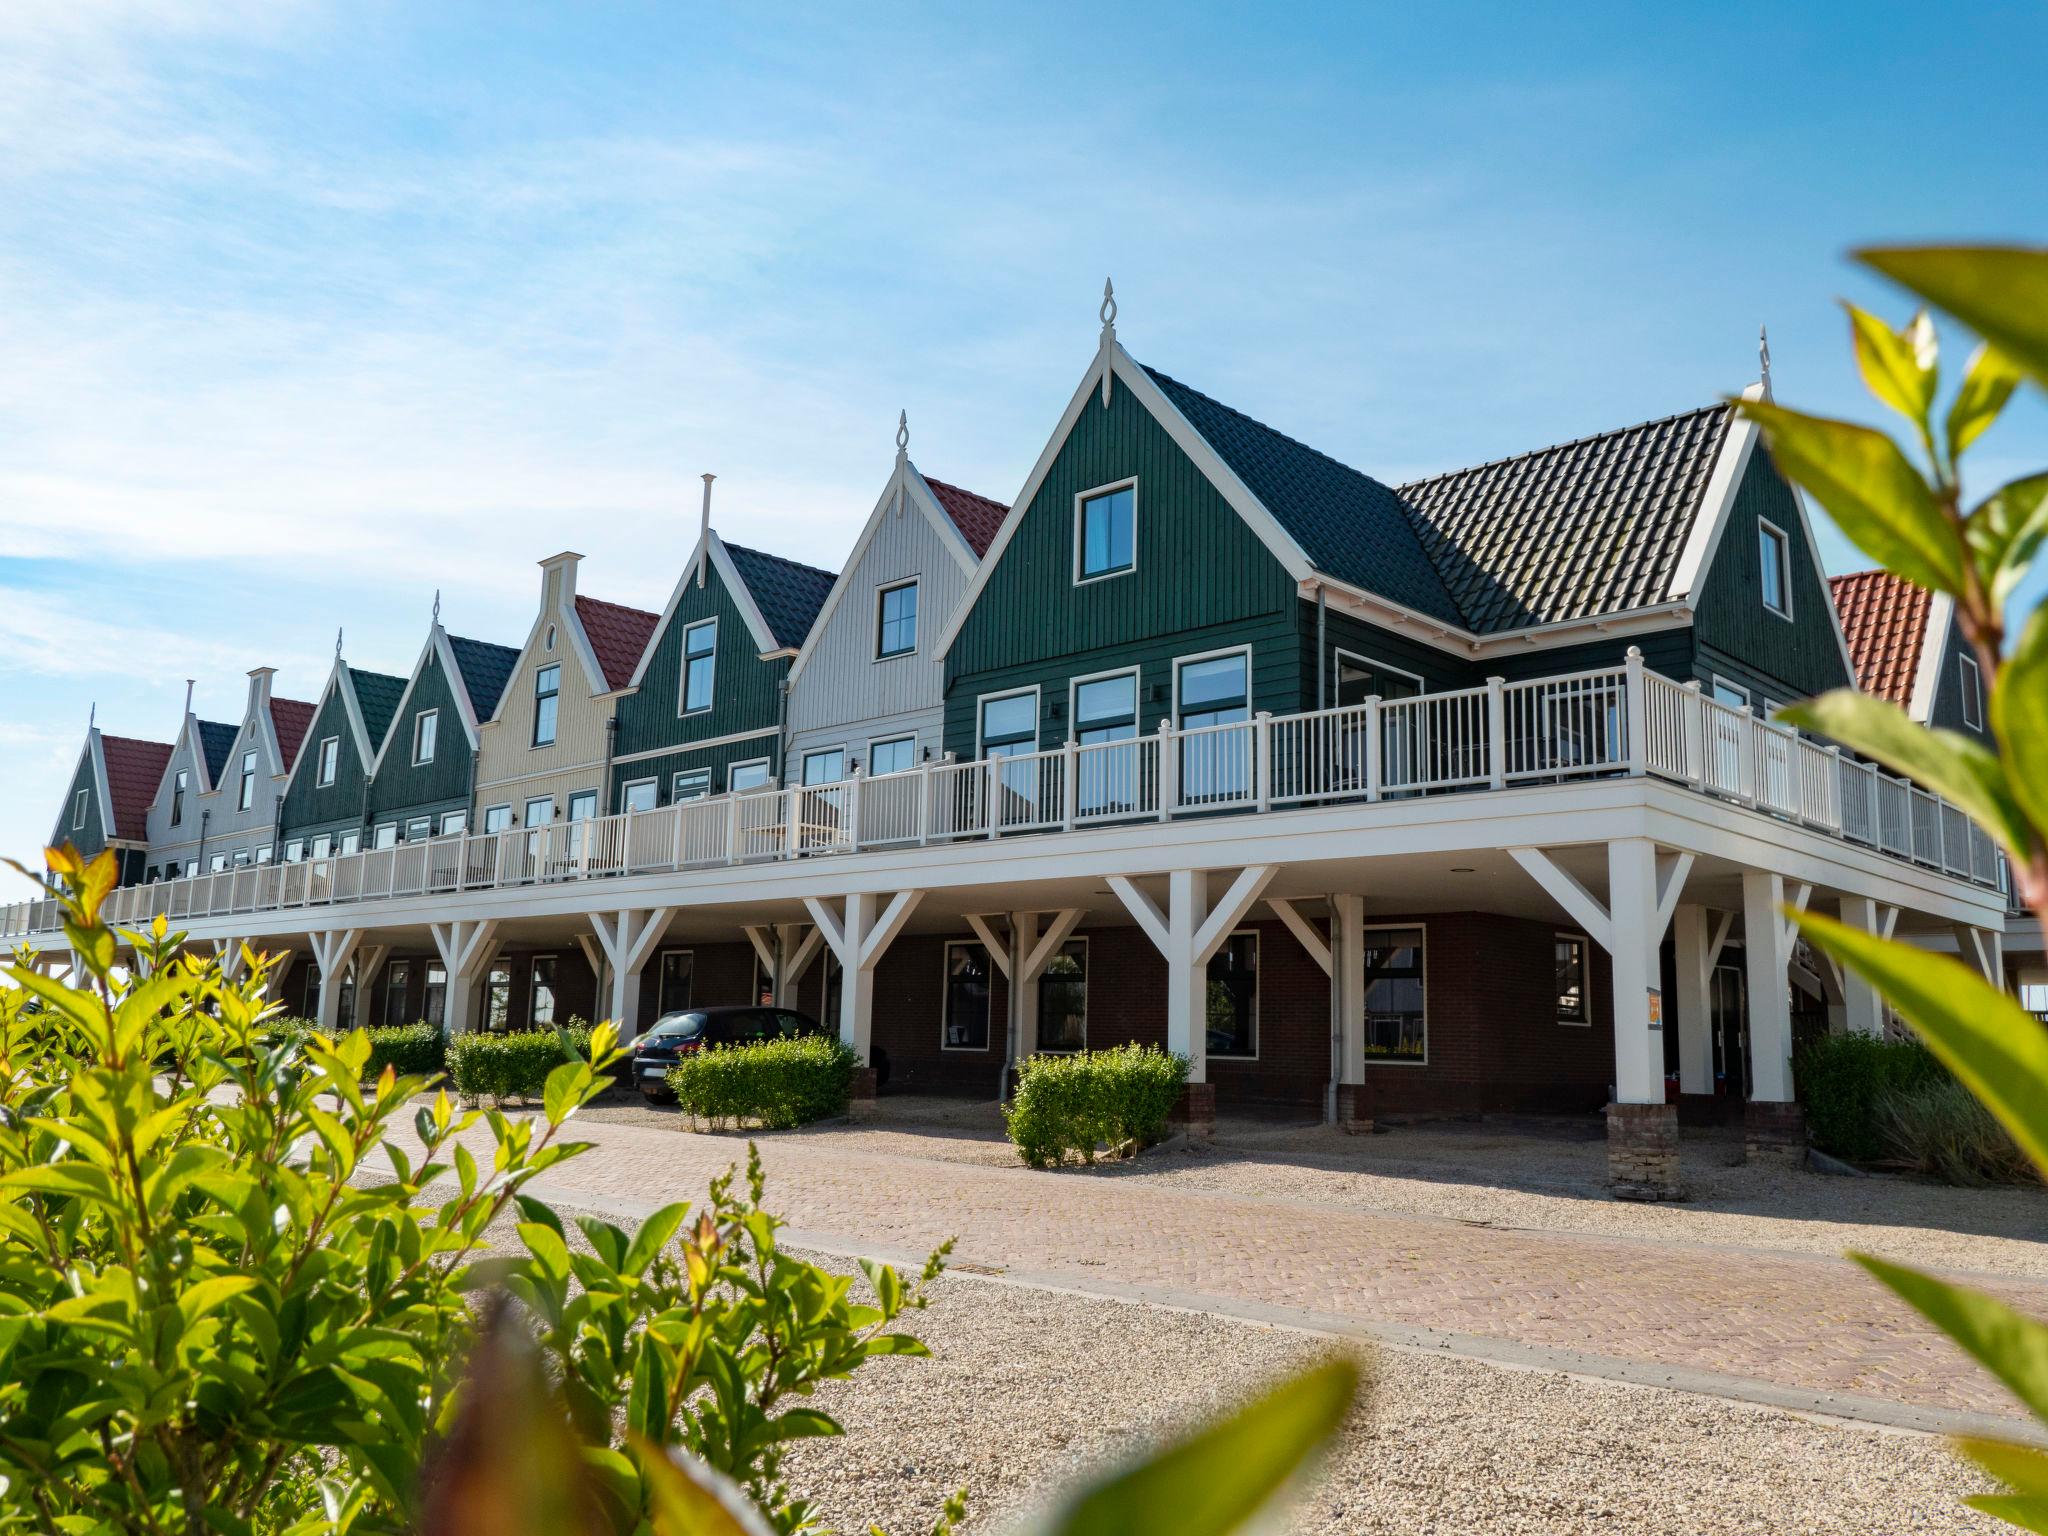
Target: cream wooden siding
843, 695
509, 768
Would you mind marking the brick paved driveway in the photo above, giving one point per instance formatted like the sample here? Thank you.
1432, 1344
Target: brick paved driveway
1800, 1322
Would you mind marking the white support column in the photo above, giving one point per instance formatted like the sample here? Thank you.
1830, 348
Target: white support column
1697, 937
627, 938
785, 951
282, 962
1188, 933
229, 953
858, 937
1767, 953
369, 961
1340, 955
1983, 951
593, 956
332, 953
466, 949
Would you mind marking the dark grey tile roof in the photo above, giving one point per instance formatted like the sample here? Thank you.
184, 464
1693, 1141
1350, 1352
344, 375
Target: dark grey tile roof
788, 594
216, 741
486, 669
377, 695
1583, 529
1348, 524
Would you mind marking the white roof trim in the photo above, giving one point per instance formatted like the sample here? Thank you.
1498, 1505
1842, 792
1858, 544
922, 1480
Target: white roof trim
1941, 610
88, 752
1117, 361
568, 622
1717, 502
742, 599
334, 679
458, 685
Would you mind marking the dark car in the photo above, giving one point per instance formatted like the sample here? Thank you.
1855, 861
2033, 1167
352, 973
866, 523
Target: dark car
684, 1033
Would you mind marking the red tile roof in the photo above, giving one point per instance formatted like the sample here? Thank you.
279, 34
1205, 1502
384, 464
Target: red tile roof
134, 770
291, 718
976, 517
1884, 619
618, 634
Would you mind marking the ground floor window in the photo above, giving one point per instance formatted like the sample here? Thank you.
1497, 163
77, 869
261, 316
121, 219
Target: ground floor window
397, 983
498, 997
1233, 1001
541, 992
673, 993
1063, 999
1395, 1026
1574, 997
435, 1003
967, 1002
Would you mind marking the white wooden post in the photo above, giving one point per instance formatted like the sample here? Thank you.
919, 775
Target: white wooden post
1373, 767
1070, 790
1637, 705
1188, 932
1262, 757
1169, 771
1496, 733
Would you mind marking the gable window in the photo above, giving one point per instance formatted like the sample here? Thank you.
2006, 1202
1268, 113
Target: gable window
700, 665
896, 755
1774, 552
386, 835
640, 795
691, 784
896, 621
78, 810
1396, 1024
1063, 1000
426, 728
1973, 692
966, 1023
1574, 997
547, 699
178, 783
825, 767
752, 774
330, 761
1105, 532
1231, 1008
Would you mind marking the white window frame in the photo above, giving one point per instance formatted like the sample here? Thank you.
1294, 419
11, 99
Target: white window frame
534, 743
492, 810
890, 741
322, 847
589, 797
384, 835
1396, 1061
803, 765
418, 828
419, 725
263, 854
1339, 655
1973, 690
1765, 526
946, 997
983, 700
1258, 1000
78, 810
1087, 988
1137, 677
294, 850
526, 811
766, 765
683, 669
217, 864
675, 795
1081, 500
328, 764
1719, 682
1585, 969
460, 820
1250, 708
626, 792
916, 624
245, 783
181, 781
351, 842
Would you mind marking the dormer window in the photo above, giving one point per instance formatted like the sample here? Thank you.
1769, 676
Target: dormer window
1105, 532
896, 620
1774, 552
330, 761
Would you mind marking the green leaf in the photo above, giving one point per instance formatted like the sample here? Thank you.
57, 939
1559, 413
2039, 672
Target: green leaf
647, 1405
1947, 762
2019, 717
1899, 367
806, 1424
2008, 1344
1216, 1481
2000, 292
2006, 531
2019, 1467
1869, 488
2029, 1513
688, 1498
653, 1236
195, 1301
1987, 385
1995, 1048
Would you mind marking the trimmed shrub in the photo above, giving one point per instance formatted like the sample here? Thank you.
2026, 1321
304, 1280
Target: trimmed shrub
1941, 1129
774, 1084
1841, 1078
1075, 1105
410, 1050
511, 1066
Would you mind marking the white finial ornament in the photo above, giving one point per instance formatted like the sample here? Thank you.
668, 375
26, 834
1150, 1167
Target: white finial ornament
437, 605
1108, 313
902, 432
337, 643
92, 716
704, 532
1763, 357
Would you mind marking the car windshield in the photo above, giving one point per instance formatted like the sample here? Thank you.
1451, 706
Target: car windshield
677, 1026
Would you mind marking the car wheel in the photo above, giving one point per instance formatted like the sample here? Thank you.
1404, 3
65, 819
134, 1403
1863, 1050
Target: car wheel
656, 1095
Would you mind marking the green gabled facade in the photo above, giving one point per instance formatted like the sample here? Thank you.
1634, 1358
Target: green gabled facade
459, 682
82, 821
759, 607
349, 725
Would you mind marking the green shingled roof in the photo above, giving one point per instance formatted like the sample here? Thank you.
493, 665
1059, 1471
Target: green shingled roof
486, 669
788, 594
377, 695
217, 741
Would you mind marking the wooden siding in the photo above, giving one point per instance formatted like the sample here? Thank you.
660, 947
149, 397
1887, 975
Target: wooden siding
927, 727
1202, 582
228, 830
746, 692
718, 759
92, 837
1788, 658
509, 767
1947, 709
1439, 670
308, 808
401, 790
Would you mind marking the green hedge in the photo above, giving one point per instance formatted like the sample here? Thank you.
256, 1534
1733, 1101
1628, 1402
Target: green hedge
1842, 1078
1073, 1105
411, 1050
775, 1084
508, 1066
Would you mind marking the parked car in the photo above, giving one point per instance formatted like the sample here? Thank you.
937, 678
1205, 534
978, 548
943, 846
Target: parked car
689, 1030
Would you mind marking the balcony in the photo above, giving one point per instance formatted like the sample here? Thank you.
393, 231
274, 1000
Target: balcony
1607, 723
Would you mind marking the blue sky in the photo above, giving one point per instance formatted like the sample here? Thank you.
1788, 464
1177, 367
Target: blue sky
309, 309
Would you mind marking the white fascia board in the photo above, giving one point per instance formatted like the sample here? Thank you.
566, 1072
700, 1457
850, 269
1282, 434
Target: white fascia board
89, 751
1716, 503
103, 789
437, 642
335, 679
571, 622
849, 572
1463, 643
1933, 656
1827, 593
927, 501
743, 599
540, 619
713, 547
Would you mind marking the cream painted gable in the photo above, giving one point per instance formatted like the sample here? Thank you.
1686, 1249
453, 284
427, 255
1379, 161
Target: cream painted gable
506, 755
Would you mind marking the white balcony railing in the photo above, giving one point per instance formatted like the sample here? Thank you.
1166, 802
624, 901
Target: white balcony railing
1616, 721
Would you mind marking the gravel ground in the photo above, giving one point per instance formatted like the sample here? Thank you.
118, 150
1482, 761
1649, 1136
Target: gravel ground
1540, 1174
1029, 1389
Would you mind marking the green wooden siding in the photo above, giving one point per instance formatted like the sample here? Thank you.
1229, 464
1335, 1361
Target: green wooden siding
1789, 659
719, 759
92, 837
746, 692
309, 807
1439, 670
1947, 710
1202, 582
1669, 651
402, 790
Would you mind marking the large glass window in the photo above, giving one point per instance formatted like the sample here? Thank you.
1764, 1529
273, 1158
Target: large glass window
896, 755
749, 775
1395, 1025
1775, 563
700, 665
896, 620
330, 760
967, 1002
434, 1002
1009, 725
692, 784
640, 795
1212, 691
541, 992
825, 767
498, 997
673, 993
426, 732
1105, 710
247, 797
497, 818
1107, 536
1233, 997
1063, 1000
1574, 999
547, 701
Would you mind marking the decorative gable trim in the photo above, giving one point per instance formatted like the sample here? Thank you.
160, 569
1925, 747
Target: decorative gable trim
89, 752
567, 622
337, 679
1934, 654
736, 589
465, 709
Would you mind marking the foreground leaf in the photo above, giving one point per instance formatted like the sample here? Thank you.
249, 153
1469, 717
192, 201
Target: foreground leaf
1987, 385
2006, 531
1998, 291
2008, 1344
2019, 716
1898, 366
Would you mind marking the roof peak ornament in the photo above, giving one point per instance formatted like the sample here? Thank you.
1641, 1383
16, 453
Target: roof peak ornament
1763, 358
337, 642
704, 531
92, 716
437, 607
1108, 313
188, 695
902, 433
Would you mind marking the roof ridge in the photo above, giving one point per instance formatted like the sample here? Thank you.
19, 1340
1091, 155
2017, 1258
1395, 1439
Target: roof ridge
1557, 447
140, 741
